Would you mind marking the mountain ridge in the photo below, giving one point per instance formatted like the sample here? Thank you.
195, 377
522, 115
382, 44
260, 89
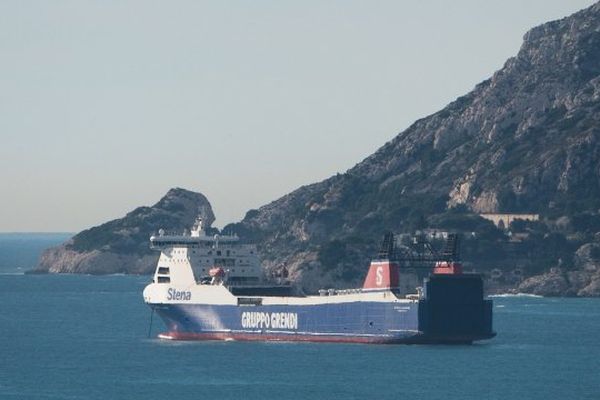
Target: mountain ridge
526, 140
121, 245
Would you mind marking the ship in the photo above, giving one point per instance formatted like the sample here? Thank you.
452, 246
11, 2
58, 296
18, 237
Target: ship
211, 287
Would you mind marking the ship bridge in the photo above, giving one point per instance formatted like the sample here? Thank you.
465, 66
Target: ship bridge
159, 242
197, 237
198, 253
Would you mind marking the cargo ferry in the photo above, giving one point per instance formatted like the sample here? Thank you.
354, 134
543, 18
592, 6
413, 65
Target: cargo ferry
210, 287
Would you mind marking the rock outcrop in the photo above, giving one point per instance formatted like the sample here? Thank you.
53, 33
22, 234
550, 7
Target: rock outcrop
121, 245
582, 280
525, 140
563, 283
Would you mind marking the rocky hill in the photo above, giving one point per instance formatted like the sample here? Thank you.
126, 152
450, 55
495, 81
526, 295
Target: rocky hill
525, 140
121, 245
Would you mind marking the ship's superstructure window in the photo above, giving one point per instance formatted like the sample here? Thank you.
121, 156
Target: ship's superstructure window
217, 251
241, 280
163, 270
225, 262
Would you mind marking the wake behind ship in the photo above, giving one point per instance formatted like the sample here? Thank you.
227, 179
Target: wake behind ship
209, 288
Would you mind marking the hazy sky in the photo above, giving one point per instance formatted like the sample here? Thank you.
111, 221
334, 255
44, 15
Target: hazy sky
105, 105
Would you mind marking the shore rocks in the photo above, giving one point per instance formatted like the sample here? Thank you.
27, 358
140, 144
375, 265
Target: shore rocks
121, 245
527, 140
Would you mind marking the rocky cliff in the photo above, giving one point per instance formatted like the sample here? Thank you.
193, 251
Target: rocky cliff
583, 280
525, 140
122, 245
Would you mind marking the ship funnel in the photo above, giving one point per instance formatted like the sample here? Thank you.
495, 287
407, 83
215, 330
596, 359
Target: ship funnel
383, 272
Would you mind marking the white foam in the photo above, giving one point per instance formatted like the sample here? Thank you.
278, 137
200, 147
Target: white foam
516, 295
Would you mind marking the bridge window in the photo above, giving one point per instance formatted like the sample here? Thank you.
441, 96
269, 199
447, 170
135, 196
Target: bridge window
163, 270
164, 279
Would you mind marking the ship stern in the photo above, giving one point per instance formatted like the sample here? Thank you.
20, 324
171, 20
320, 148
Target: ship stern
453, 310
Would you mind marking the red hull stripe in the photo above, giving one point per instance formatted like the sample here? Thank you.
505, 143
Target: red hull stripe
270, 337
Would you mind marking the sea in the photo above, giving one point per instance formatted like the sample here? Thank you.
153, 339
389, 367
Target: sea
92, 337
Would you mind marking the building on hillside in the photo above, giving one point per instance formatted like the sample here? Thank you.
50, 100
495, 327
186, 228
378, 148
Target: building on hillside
503, 221
433, 234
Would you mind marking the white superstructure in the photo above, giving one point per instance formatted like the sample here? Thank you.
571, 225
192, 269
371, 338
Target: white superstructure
190, 256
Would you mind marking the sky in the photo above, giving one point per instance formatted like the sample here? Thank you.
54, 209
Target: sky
105, 105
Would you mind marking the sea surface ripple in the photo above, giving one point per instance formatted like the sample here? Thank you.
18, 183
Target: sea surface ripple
84, 337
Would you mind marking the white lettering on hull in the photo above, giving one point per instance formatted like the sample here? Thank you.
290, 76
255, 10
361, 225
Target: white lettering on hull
276, 320
379, 276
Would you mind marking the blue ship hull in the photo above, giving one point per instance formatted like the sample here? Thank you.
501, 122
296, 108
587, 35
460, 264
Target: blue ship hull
371, 322
452, 311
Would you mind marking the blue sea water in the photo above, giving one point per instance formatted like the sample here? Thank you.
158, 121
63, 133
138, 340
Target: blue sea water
20, 251
84, 337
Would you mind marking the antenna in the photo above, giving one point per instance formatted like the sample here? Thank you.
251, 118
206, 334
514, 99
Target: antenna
451, 251
387, 248
420, 254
